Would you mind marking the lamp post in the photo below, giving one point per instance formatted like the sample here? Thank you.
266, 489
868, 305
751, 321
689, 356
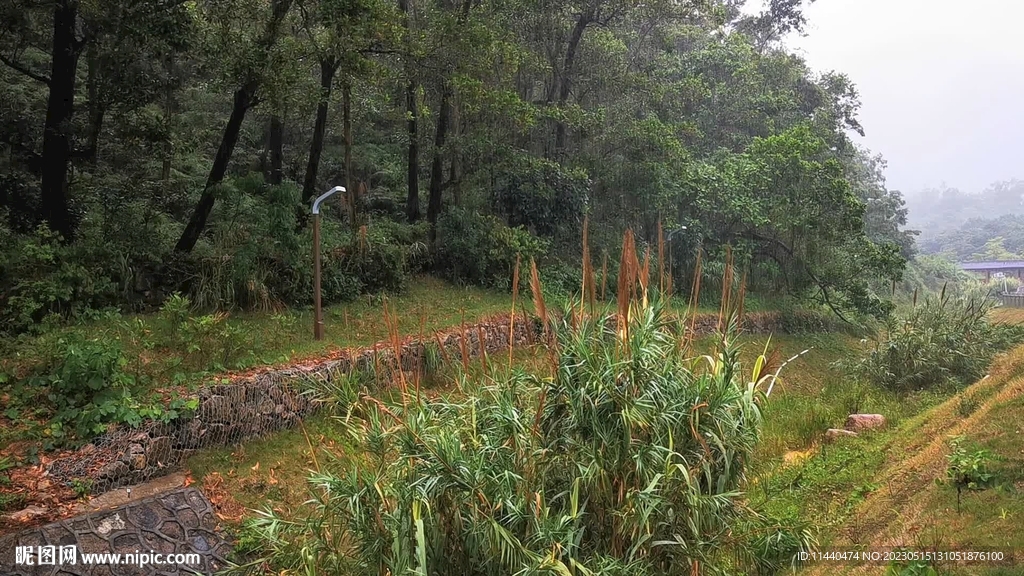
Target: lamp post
318, 319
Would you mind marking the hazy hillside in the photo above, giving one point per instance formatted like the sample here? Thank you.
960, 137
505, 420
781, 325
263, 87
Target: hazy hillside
963, 223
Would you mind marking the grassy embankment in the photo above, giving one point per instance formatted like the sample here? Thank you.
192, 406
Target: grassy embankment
882, 488
889, 489
165, 354
808, 399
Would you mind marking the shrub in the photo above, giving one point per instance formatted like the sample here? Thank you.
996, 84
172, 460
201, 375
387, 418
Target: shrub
87, 387
967, 470
379, 267
478, 249
39, 276
205, 341
944, 340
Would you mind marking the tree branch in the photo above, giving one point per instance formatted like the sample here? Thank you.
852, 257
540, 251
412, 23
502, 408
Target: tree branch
19, 68
822, 287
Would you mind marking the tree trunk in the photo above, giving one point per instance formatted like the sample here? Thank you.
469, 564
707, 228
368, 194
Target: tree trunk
56, 210
437, 167
353, 194
245, 98
412, 201
165, 168
565, 80
455, 175
276, 141
97, 109
328, 68
243, 101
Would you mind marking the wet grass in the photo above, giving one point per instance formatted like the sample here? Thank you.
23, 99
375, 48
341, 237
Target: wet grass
289, 456
162, 355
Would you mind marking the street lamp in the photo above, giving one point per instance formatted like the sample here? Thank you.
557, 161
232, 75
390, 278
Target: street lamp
318, 320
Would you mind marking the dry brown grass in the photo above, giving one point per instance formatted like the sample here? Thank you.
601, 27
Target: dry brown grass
1008, 315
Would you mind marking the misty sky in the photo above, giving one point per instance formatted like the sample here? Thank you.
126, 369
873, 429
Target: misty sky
941, 82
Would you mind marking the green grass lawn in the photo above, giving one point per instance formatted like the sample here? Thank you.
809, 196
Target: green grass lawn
242, 340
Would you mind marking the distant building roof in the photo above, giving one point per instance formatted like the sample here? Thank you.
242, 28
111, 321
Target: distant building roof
1007, 264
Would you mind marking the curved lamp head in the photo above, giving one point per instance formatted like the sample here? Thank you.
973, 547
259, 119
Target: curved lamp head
676, 231
324, 196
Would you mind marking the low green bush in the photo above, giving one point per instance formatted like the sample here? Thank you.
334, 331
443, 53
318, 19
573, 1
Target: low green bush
478, 249
968, 469
84, 386
206, 341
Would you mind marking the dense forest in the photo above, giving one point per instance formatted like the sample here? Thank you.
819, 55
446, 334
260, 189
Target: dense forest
154, 147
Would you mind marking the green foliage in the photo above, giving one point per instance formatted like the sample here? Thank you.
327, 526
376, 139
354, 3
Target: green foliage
929, 273
81, 487
83, 387
911, 568
967, 405
6, 463
627, 461
480, 249
39, 276
968, 470
995, 250
945, 340
259, 258
541, 196
432, 357
88, 387
9, 502
206, 341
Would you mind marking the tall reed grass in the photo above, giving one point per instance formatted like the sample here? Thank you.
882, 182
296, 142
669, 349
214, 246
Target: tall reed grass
627, 459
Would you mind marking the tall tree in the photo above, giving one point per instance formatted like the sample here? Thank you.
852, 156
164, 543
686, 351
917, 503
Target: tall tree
412, 198
60, 106
245, 97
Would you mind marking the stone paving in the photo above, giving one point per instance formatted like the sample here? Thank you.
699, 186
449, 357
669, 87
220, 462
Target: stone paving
179, 521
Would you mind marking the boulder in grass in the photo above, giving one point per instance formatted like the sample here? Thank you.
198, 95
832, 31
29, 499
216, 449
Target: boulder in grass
834, 434
861, 422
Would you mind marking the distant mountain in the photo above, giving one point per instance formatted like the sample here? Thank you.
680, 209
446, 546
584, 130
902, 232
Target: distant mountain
937, 210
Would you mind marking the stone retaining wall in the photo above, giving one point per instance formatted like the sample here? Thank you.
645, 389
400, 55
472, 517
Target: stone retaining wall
271, 400
259, 404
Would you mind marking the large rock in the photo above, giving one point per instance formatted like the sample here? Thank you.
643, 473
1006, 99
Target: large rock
861, 422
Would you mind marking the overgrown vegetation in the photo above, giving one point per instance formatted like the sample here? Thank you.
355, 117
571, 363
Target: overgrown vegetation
86, 386
184, 143
945, 340
628, 460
